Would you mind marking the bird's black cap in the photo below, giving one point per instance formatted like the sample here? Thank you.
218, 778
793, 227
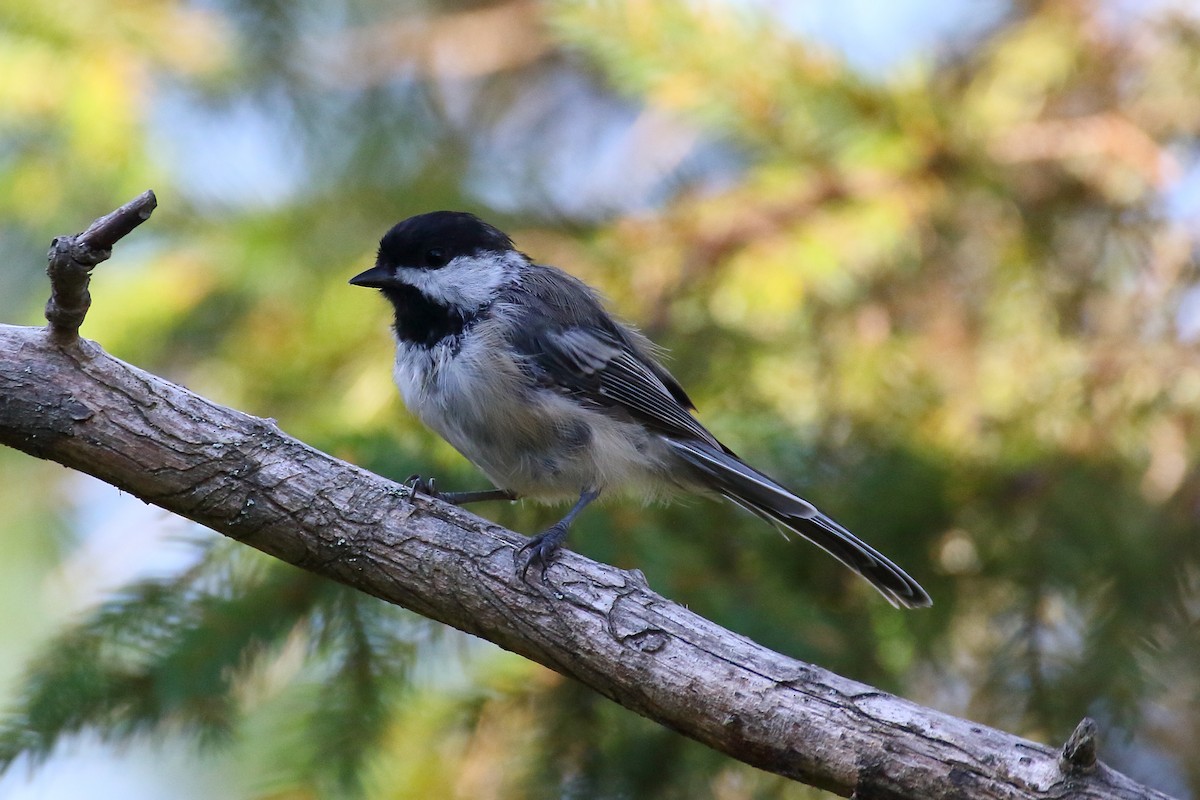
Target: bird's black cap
444, 234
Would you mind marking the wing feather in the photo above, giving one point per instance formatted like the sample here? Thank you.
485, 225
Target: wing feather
568, 339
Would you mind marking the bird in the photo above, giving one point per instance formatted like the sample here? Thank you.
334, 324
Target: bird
520, 367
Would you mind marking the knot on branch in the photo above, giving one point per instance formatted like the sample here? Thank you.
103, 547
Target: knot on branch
72, 258
1079, 753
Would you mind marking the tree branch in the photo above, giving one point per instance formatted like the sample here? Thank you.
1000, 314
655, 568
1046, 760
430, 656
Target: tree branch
243, 477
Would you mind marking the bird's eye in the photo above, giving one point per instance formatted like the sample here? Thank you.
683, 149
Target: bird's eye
435, 257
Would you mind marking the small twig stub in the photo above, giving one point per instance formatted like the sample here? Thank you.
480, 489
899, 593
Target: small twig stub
1079, 753
71, 259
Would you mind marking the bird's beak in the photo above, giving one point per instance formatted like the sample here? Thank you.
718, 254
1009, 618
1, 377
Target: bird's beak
377, 277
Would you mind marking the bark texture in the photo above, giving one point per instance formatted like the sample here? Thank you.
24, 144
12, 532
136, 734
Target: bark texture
241, 476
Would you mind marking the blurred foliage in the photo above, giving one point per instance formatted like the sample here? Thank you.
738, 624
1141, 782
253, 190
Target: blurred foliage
950, 303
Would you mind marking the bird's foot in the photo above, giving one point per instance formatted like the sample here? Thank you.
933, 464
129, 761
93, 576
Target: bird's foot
541, 549
418, 485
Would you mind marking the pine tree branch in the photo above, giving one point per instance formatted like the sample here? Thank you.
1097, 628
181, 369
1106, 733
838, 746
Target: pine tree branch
243, 477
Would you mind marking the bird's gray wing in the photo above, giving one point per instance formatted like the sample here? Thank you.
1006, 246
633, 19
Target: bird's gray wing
571, 344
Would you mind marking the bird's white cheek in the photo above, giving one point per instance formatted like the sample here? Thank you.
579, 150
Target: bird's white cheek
467, 282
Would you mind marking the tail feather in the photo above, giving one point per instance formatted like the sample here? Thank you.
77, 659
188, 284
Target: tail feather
757, 493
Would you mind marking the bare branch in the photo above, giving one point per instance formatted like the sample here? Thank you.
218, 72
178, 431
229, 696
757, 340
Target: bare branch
243, 477
72, 259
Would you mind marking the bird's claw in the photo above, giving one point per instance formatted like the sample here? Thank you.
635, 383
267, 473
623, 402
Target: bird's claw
418, 485
541, 550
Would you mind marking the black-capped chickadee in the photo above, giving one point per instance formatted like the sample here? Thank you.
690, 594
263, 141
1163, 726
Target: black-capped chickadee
520, 368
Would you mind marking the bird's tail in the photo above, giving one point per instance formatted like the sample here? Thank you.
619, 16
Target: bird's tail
754, 491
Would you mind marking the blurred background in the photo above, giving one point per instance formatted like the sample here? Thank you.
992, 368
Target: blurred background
931, 263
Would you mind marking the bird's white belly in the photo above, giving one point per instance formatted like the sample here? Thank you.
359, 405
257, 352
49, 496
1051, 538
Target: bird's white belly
529, 440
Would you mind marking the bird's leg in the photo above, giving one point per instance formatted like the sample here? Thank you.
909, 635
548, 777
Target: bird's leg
479, 496
427, 487
542, 547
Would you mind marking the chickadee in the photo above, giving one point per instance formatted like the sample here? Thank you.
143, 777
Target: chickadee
520, 368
